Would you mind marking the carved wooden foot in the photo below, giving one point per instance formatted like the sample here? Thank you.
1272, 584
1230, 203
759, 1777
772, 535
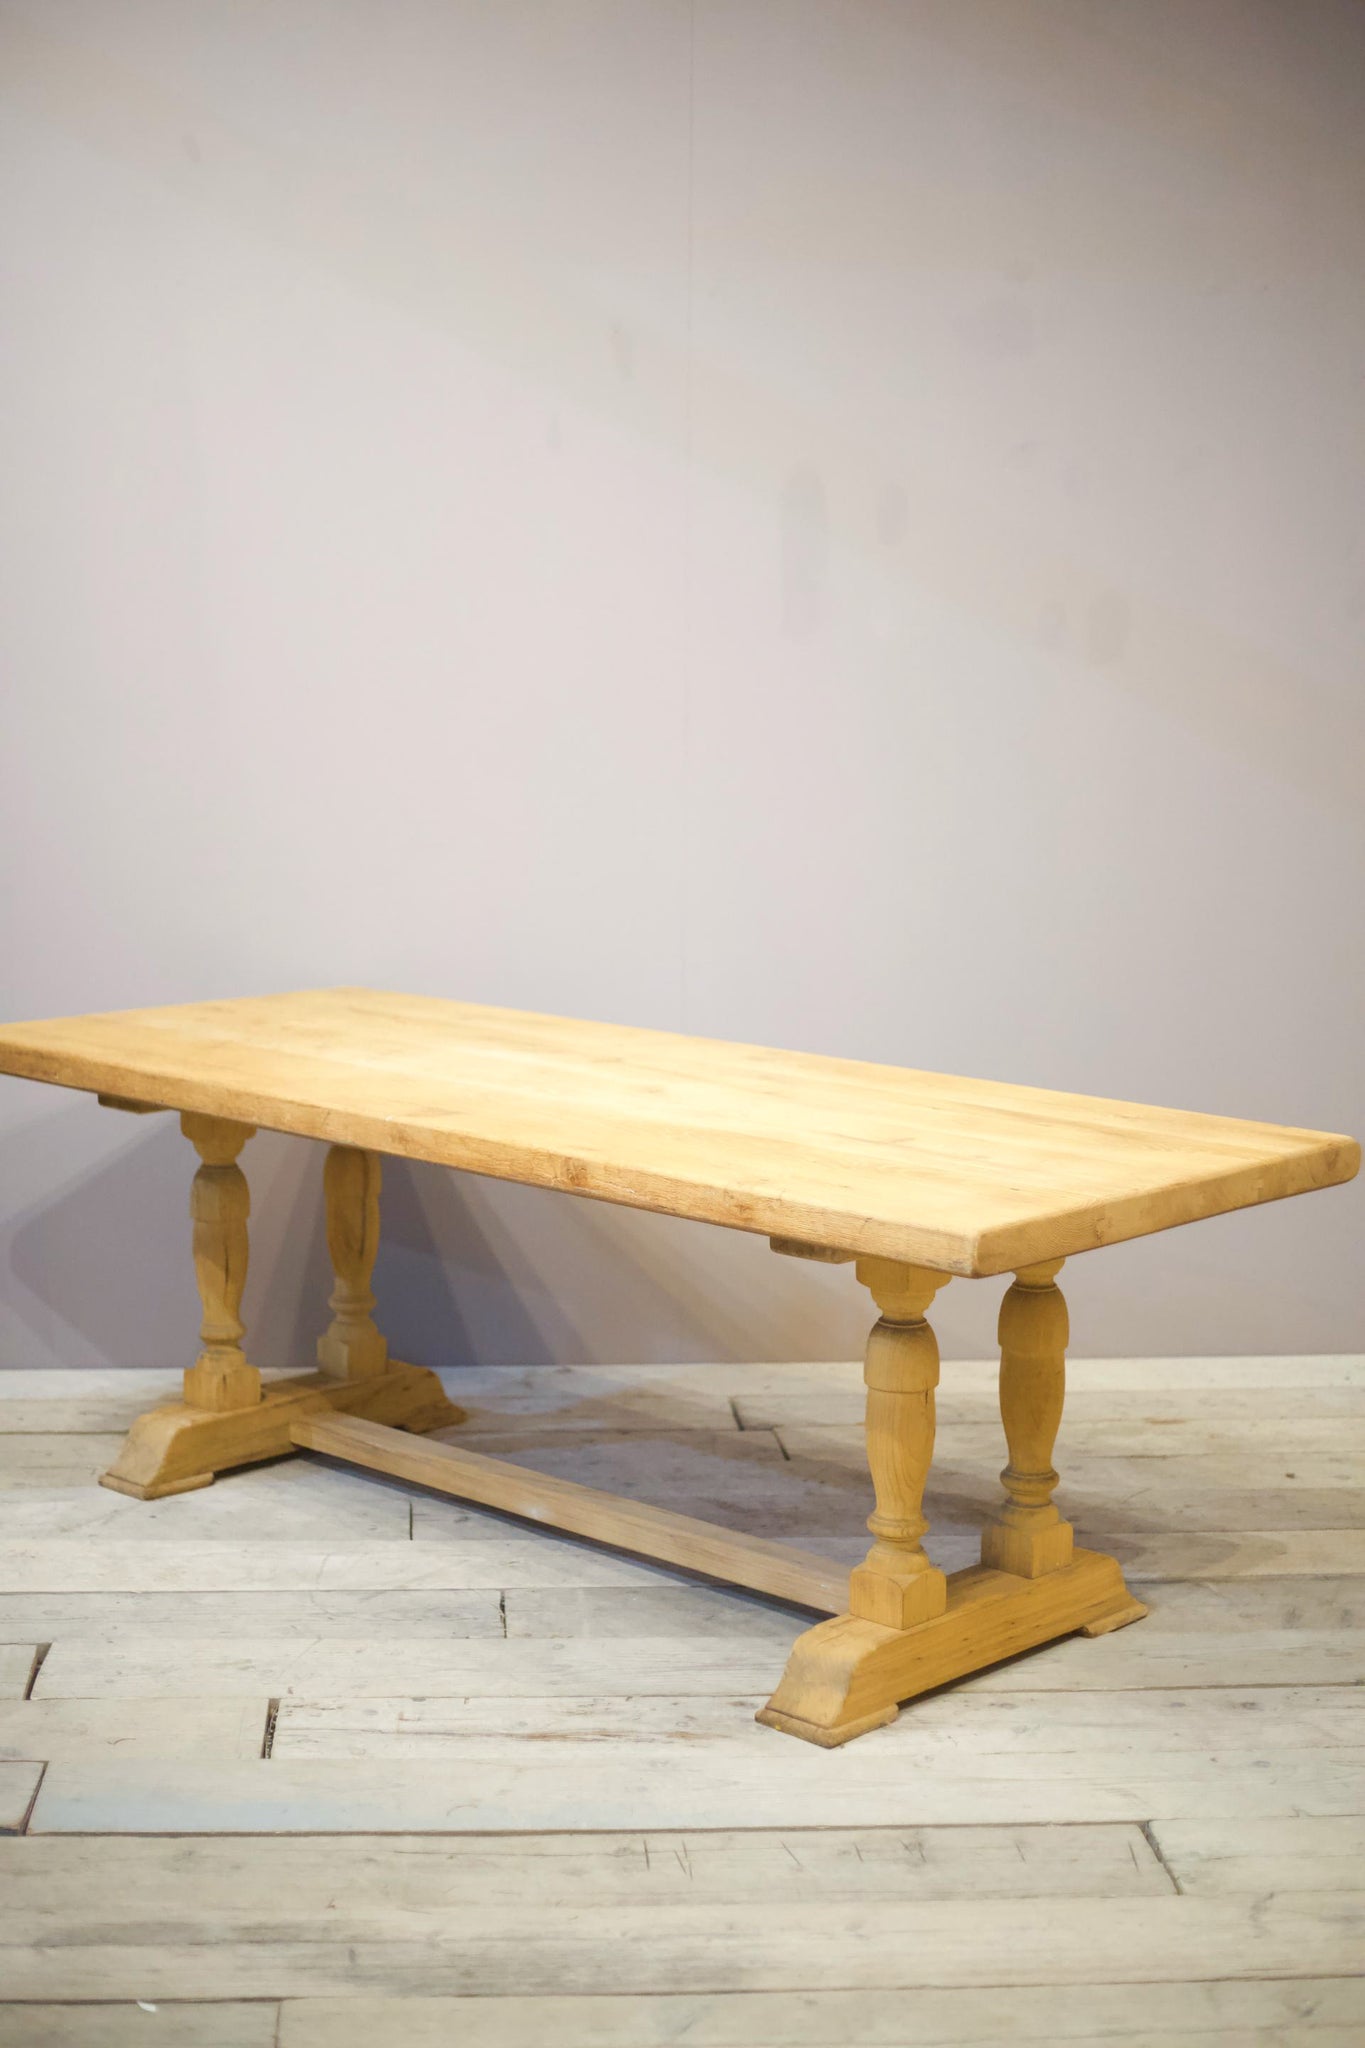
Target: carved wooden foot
227, 1418
846, 1676
178, 1447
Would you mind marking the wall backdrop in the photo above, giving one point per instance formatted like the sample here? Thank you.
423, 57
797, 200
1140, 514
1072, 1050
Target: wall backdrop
836, 523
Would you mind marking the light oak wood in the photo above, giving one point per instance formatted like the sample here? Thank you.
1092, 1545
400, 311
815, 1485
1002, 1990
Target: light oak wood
220, 1202
352, 1348
178, 1448
966, 1176
1028, 1535
847, 1676
228, 1417
606, 1518
908, 1627
895, 1584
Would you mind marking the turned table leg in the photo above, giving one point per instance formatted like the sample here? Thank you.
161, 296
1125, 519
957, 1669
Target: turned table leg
220, 1203
1028, 1535
895, 1584
352, 1348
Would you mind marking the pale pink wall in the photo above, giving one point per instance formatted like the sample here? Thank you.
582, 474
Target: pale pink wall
823, 522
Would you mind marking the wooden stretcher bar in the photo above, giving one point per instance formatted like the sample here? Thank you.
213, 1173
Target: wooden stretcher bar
609, 1518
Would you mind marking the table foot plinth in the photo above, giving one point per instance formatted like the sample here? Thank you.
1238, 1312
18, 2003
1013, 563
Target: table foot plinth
177, 1448
847, 1675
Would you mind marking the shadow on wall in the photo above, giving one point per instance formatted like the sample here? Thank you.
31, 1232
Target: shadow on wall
100, 1266
470, 1270
473, 1270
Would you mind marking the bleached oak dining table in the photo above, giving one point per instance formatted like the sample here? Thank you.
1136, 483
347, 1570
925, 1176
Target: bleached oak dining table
915, 1178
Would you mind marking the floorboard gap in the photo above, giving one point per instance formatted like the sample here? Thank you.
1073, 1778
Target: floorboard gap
39, 1659
1149, 1836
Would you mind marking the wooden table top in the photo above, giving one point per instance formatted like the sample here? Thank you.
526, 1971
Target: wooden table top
970, 1177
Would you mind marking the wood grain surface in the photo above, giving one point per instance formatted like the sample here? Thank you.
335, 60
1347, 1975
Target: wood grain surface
966, 1176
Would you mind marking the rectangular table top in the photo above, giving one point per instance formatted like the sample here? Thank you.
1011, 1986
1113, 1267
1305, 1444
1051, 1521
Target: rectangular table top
966, 1176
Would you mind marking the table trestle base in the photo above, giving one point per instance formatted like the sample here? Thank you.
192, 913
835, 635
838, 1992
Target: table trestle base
179, 1447
229, 1415
847, 1675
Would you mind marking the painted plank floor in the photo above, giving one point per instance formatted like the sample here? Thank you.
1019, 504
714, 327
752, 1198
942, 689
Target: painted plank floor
308, 1760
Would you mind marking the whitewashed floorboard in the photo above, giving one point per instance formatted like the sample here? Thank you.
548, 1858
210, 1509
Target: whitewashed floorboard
492, 1783
16, 1668
72, 1729
169, 2024
1262, 1856
71, 1617
373, 1881
131, 1667
669, 1608
952, 1725
479, 1667
1296, 2012
992, 1837
527, 1557
18, 1783
87, 1399
532, 1558
664, 1609
1240, 1554
46, 1460
1164, 1436
296, 1500
689, 1946
508, 1554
